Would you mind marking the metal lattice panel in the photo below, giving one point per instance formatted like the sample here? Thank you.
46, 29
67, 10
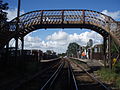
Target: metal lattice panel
63, 19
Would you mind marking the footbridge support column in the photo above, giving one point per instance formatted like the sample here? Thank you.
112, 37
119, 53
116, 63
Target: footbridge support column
22, 45
104, 50
109, 52
16, 48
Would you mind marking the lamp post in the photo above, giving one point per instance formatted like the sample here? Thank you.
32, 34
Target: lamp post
90, 44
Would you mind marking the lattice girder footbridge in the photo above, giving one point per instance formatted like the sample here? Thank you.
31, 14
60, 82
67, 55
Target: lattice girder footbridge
43, 19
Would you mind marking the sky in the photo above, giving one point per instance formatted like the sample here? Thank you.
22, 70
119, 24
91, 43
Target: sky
58, 39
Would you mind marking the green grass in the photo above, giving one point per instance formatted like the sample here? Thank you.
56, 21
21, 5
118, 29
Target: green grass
111, 76
118, 82
107, 75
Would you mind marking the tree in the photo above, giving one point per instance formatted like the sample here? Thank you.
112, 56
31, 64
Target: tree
62, 55
73, 49
49, 52
3, 14
90, 43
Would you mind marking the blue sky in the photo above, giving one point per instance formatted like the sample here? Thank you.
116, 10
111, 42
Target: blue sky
42, 33
46, 37
97, 5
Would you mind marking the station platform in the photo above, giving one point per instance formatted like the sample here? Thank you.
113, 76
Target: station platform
91, 63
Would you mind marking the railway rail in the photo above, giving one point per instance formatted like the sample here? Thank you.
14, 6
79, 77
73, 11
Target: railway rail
86, 80
62, 79
61, 76
18, 83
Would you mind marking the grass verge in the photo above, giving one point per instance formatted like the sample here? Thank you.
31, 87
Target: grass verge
111, 76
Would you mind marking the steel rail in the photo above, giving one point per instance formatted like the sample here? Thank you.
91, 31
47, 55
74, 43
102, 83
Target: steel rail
73, 76
36, 75
53, 77
23, 81
93, 77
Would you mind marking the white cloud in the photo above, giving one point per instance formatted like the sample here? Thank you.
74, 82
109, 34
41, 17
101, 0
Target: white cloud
58, 41
114, 15
57, 36
83, 38
12, 13
12, 43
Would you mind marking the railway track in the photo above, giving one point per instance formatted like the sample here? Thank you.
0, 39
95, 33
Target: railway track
86, 79
59, 78
65, 75
24, 82
62, 79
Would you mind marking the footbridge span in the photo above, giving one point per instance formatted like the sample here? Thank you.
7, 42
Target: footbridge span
39, 19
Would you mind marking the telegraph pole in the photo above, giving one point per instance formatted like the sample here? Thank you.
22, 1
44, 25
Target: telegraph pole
17, 28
